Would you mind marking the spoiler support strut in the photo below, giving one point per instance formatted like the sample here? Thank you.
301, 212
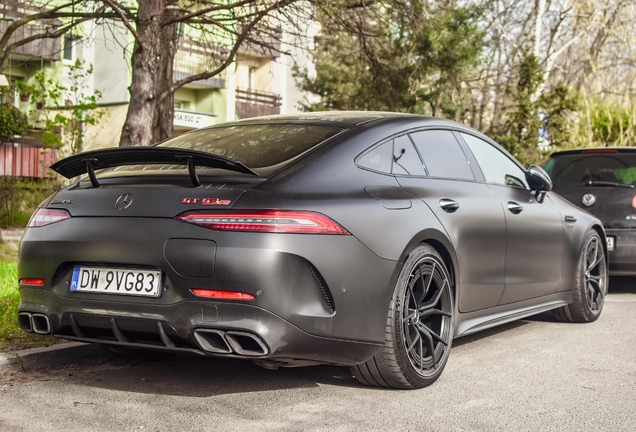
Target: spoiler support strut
91, 171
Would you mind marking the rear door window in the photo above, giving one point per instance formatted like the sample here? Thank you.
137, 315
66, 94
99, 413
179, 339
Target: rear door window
442, 154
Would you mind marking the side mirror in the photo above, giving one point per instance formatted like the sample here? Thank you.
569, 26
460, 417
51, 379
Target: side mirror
539, 181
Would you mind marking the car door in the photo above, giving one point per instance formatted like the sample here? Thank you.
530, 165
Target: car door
534, 245
468, 210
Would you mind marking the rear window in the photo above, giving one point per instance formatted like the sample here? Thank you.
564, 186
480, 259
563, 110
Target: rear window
256, 146
577, 169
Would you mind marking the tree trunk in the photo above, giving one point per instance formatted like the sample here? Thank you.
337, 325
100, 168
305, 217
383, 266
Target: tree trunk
163, 120
146, 60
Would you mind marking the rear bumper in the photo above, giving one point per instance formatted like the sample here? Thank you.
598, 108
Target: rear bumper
622, 260
320, 298
196, 327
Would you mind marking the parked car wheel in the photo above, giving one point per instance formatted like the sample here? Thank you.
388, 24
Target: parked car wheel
591, 283
419, 329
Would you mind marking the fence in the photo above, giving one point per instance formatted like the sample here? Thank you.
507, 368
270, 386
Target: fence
24, 161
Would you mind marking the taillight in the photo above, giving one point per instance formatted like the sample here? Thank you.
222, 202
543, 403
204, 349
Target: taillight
271, 221
44, 216
634, 202
218, 294
32, 281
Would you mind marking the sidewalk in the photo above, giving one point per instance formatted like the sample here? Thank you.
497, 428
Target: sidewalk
48, 357
12, 234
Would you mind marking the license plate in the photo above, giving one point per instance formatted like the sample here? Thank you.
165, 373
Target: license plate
136, 282
610, 242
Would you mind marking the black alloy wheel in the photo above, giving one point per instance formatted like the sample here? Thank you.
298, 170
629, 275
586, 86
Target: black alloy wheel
419, 330
591, 283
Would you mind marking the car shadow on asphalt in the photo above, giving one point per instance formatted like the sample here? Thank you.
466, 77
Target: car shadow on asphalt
622, 285
195, 376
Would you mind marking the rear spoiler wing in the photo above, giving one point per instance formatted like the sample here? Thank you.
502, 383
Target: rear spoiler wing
90, 161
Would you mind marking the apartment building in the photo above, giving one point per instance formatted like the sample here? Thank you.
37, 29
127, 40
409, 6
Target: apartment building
259, 82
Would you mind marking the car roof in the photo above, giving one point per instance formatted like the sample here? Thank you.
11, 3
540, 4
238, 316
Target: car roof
594, 150
342, 119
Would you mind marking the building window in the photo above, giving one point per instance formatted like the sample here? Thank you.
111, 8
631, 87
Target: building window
72, 49
251, 79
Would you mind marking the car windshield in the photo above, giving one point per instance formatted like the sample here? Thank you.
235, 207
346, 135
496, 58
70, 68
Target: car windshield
256, 145
604, 168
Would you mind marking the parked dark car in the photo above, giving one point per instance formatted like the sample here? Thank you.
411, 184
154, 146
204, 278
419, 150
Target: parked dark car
602, 181
362, 239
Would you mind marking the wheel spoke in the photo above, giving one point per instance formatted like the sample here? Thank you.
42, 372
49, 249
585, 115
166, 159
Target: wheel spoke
421, 356
412, 296
427, 331
414, 341
590, 292
595, 263
595, 251
412, 315
432, 302
430, 346
428, 312
425, 285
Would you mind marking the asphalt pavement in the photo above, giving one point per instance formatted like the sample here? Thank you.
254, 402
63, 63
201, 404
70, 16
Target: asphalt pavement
530, 375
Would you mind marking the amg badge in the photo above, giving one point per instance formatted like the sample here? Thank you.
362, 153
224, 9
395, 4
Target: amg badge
206, 201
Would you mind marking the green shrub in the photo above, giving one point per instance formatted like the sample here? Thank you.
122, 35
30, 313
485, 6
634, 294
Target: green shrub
19, 197
12, 122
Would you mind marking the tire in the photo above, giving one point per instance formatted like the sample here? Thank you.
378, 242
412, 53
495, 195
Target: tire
591, 281
417, 339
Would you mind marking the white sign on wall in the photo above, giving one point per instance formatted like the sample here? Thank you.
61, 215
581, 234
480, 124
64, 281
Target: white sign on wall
192, 120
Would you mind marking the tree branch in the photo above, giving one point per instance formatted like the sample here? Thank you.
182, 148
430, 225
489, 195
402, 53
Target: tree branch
120, 13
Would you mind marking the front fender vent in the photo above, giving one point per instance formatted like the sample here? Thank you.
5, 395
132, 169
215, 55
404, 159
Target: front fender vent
324, 290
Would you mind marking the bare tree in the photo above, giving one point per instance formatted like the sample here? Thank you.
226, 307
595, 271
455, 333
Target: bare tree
28, 22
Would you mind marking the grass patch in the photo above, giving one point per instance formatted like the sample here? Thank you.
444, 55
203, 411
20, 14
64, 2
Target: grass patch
11, 337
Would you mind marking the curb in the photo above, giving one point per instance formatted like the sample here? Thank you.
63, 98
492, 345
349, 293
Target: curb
42, 358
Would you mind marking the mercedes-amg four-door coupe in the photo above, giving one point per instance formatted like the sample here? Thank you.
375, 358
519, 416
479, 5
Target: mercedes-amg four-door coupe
363, 239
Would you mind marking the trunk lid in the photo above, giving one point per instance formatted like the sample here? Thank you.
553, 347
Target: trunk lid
162, 197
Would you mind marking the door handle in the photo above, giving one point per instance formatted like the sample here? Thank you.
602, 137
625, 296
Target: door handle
448, 205
514, 207
570, 219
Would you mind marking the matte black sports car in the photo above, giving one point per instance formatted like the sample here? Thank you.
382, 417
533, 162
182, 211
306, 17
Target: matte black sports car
361, 239
603, 182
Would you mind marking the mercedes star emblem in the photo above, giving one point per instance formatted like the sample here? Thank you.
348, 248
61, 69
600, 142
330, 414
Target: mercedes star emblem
123, 202
588, 200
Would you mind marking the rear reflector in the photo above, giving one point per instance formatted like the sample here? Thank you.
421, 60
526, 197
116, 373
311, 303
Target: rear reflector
32, 282
44, 216
271, 221
225, 295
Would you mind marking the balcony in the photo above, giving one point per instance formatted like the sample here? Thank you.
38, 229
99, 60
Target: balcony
194, 58
265, 42
46, 49
252, 103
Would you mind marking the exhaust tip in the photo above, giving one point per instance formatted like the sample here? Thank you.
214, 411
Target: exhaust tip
246, 344
41, 324
212, 341
24, 322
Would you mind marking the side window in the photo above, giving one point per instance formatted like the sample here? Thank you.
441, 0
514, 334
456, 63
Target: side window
443, 157
405, 158
379, 158
496, 166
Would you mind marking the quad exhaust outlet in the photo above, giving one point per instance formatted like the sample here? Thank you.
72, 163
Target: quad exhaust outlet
228, 342
34, 323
